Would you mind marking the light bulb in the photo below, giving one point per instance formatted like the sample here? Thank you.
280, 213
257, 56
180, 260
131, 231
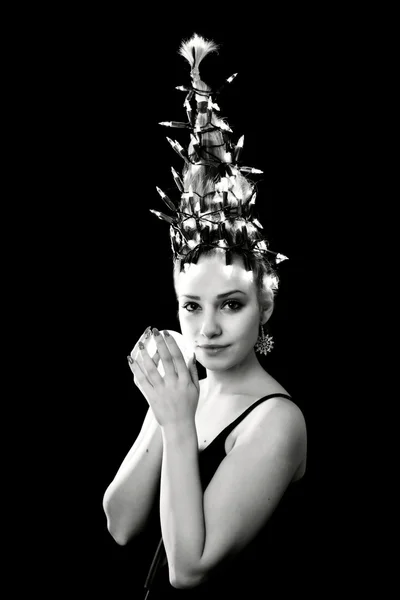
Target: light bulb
231, 78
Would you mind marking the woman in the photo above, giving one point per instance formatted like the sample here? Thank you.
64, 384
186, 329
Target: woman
221, 458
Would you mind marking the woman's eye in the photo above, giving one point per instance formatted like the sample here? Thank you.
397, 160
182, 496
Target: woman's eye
186, 306
236, 305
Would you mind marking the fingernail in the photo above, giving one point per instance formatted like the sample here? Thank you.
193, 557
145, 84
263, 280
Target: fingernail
166, 333
155, 331
141, 345
147, 332
130, 359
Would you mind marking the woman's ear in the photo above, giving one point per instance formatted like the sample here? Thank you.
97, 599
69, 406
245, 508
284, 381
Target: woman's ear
266, 306
266, 312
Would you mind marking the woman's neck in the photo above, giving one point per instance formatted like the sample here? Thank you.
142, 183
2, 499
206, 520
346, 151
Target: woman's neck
235, 380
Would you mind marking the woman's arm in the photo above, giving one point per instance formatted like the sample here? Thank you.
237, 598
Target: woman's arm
130, 497
202, 531
181, 502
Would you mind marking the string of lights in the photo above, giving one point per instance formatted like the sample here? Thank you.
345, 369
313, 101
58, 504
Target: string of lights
224, 217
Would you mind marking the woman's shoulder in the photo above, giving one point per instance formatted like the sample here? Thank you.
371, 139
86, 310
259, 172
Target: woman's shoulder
257, 387
271, 400
280, 407
277, 423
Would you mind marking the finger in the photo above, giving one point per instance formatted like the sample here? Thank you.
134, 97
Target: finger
193, 371
177, 356
135, 354
149, 367
145, 335
156, 358
139, 360
132, 357
141, 379
165, 354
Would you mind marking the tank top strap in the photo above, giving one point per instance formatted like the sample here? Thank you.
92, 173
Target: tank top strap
225, 432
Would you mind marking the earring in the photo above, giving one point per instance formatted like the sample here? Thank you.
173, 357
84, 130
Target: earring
264, 343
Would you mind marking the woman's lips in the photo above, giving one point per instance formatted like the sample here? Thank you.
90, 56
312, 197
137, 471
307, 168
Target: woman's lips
213, 349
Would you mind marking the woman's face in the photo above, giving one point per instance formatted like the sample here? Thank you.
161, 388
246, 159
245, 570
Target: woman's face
218, 307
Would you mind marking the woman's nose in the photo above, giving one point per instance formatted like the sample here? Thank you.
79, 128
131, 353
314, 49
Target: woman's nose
210, 327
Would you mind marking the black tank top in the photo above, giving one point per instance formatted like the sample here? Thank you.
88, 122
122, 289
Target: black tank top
262, 559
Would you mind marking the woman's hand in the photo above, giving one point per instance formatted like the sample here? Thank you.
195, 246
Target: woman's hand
137, 355
175, 396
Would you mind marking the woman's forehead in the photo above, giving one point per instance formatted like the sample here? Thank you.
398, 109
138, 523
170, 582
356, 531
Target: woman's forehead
212, 275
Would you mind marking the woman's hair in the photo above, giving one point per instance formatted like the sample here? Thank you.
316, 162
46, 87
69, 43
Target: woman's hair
210, 154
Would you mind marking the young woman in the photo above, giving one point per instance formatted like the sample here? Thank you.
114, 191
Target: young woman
218, 461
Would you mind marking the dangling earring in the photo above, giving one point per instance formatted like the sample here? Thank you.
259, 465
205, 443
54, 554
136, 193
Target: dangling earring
264, 343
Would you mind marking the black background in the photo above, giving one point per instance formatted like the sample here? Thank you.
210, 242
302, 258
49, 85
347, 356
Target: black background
110, 82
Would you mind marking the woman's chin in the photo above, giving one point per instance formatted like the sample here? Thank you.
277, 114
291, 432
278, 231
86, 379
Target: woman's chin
220, 361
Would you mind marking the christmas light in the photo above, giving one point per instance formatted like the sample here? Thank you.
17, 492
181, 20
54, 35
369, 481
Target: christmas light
177, 124
228, 158
196, 145
201, 208
177, 180
222, 125
189, 112
231, 78
261, 245
224, 186
171, 142
250, 170
221, 230
167, 200
209, 109
190, 198
162, 216
178, 149
206, 235
189, 97
251, 204
239, 148
247, 265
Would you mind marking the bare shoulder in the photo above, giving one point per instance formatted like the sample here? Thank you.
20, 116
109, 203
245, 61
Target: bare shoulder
279, 416
277, 431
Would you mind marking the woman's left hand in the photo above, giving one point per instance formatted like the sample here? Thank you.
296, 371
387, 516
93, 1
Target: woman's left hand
175, 396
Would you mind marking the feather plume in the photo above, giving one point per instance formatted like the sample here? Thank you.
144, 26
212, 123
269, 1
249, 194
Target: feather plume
196, 48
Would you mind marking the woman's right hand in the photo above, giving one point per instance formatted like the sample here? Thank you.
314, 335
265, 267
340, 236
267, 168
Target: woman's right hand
137, 355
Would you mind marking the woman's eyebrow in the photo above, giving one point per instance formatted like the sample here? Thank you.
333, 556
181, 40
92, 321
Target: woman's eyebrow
224, 295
